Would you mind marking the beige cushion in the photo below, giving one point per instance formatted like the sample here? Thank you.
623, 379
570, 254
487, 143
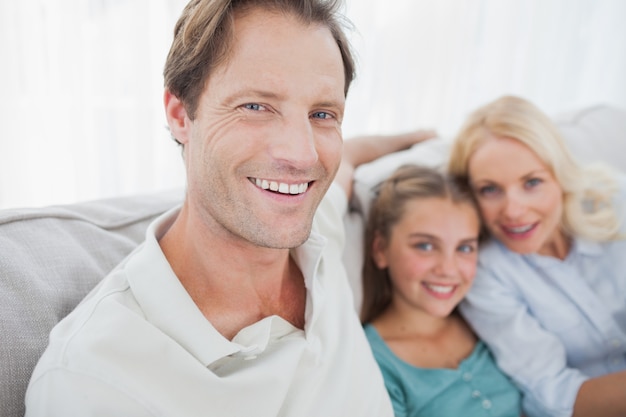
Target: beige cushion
49, 260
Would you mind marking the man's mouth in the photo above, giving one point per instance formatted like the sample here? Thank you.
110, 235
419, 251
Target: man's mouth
280, 187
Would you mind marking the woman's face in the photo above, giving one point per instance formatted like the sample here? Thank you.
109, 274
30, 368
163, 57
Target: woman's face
431, 255
520, 199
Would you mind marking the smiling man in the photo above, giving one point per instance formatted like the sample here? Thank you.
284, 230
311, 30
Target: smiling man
237, 302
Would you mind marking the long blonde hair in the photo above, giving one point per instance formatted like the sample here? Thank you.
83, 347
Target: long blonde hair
588, 192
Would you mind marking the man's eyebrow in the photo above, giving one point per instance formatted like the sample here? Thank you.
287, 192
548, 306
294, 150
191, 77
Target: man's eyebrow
335, 104
253, 94
244, 93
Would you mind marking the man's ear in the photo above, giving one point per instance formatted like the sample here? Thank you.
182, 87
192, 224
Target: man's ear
177, 118
379, 253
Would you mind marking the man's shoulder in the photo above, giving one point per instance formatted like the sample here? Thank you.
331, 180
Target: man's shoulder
98, 318
91, 349
335, 200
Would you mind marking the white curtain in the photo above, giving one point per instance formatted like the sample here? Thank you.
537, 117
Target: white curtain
81, 84
428, 63
81, 109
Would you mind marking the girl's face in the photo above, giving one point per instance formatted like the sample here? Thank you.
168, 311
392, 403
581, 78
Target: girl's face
431, 255
520, 200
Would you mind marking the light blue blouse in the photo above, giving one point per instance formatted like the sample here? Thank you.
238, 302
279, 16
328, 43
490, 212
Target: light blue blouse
552, 324
477, 388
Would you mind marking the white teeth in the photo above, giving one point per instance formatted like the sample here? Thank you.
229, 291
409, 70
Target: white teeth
281, 187
441, 289
521, 229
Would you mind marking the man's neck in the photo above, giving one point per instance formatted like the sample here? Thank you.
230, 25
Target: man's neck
233, 284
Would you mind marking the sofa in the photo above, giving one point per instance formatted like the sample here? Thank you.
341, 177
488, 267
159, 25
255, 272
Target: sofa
51, 257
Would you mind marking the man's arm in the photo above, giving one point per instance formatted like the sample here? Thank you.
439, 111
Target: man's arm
603, 395
363, 149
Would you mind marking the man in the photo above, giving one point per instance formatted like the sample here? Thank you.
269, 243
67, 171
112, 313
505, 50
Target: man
232, 307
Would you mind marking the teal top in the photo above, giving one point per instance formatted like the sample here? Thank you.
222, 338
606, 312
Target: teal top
476, 388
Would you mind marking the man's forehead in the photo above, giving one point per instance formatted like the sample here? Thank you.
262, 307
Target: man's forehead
271, 49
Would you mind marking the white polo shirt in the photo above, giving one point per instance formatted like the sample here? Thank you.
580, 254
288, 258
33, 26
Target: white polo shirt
139, 346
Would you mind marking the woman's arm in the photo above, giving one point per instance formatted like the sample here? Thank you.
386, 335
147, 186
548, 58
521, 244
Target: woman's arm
363, 149
497, 308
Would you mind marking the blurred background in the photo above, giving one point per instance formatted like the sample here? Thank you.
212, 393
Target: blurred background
81, 83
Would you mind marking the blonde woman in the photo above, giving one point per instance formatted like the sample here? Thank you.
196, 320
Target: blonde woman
550, 291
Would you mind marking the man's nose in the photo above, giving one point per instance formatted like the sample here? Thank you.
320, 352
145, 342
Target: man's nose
295, 143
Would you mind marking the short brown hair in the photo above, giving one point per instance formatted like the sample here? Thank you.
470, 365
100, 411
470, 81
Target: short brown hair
203, 36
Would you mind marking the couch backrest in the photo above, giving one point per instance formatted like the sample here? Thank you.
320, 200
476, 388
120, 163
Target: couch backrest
50, 258
596, 133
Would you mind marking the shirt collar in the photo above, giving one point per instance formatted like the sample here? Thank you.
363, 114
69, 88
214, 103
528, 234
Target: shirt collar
308, 257
166, 304
580, 247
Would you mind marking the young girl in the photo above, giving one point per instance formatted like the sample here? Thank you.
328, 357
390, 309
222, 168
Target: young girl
421, 253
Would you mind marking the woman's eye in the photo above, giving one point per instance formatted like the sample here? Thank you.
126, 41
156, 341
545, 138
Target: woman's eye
488, 190
533, 182
322, 115
254, 106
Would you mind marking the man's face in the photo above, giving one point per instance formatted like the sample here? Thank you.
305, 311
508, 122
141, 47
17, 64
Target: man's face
266, 142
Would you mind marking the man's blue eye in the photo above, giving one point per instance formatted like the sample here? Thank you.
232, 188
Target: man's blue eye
322, 115
253, 106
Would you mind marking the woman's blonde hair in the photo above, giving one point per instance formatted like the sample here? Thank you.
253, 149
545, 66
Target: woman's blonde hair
408, 183
588, 192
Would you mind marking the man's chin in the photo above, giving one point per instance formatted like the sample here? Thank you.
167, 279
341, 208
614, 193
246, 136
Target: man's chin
287, 238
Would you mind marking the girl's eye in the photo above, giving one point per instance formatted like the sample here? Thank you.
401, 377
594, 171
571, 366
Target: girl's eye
322, 115
254, 106
467, 248
533, 182
424, 246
